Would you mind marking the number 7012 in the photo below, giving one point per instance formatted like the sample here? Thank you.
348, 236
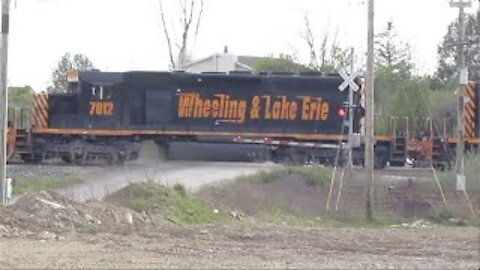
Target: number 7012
101, 108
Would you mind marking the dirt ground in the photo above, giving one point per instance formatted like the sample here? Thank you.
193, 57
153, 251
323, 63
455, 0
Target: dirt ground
250, 246
45, 230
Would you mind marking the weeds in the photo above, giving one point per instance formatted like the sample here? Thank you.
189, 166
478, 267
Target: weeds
38, 184
174, 203
180, 189
312, 176
447, 217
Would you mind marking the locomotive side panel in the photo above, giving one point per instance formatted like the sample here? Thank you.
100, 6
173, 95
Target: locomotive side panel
107, 114
238, 104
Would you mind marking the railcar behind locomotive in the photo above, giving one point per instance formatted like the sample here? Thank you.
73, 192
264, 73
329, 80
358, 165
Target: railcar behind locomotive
105, 115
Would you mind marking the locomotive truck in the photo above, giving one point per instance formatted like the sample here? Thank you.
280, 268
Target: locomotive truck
299, 117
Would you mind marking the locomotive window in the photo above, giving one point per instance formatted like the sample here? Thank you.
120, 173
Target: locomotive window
103, 92
73, 87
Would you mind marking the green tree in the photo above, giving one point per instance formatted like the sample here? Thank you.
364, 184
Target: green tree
395, 79
448, 54
393, 55
67, 63
20, 97
284, 63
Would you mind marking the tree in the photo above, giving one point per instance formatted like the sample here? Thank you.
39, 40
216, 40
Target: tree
395, 79
189, 18
393, 55
20, 104
448, 54
20, 97
67, 63
284, 63
329, 56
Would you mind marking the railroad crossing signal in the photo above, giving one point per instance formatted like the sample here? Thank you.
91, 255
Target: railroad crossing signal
349, 80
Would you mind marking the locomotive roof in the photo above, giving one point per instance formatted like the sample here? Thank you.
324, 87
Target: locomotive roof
98, 77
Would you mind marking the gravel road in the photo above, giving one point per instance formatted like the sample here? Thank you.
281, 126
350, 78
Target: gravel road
99, 181
103, 181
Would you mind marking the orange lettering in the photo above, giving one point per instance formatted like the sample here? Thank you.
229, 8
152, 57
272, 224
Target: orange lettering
277, 109
255, 112
305, 108
92, 107
325, 110
268, 114
293, 111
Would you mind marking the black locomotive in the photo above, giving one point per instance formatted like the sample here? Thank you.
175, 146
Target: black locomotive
105, 115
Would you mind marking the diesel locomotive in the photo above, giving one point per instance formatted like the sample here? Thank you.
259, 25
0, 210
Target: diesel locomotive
297, 117
105, 115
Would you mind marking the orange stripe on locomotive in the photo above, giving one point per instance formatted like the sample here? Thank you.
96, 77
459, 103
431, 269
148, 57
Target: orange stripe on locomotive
40, 110
470, 111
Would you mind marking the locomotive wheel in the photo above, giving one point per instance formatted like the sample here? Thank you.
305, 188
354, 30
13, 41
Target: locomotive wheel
28, 158
121, 159
163, 151
66, 159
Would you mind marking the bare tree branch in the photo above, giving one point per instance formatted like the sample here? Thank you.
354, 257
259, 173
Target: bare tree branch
323, 51
309, 38
187, 16
198, 19
167, 35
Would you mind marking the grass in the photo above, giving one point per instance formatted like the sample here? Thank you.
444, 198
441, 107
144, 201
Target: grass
177, 204
277, 215
47, 183
446, 217
174, 203
472, 171
313, 176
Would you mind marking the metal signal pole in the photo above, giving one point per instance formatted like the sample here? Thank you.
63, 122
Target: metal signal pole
370, 111
3, 98
463, 81
350, 117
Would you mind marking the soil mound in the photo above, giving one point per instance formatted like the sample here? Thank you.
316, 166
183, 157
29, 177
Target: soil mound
50, 212
286, 194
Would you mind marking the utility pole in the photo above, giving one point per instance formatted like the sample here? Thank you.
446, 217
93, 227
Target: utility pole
370, 112
3, 98
463, 81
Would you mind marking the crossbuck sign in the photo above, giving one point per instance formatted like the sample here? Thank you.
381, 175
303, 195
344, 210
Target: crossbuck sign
349, 81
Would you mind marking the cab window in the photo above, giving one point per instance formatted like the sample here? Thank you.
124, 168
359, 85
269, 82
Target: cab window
102, 92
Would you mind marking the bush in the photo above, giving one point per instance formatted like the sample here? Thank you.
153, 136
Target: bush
311, 176
173, 203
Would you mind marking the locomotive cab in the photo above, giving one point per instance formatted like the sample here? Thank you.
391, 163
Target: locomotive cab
88, 103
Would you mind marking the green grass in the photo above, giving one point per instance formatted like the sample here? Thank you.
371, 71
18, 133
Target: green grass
472, 172
47, 183
313, 176
277, 215
174, 203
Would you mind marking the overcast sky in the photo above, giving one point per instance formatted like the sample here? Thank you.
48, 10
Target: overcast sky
120, 35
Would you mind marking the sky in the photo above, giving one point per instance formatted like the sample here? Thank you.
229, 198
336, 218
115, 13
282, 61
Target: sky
122, 35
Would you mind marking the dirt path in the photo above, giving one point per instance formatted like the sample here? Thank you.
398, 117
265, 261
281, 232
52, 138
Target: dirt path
253, 247
191, 174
